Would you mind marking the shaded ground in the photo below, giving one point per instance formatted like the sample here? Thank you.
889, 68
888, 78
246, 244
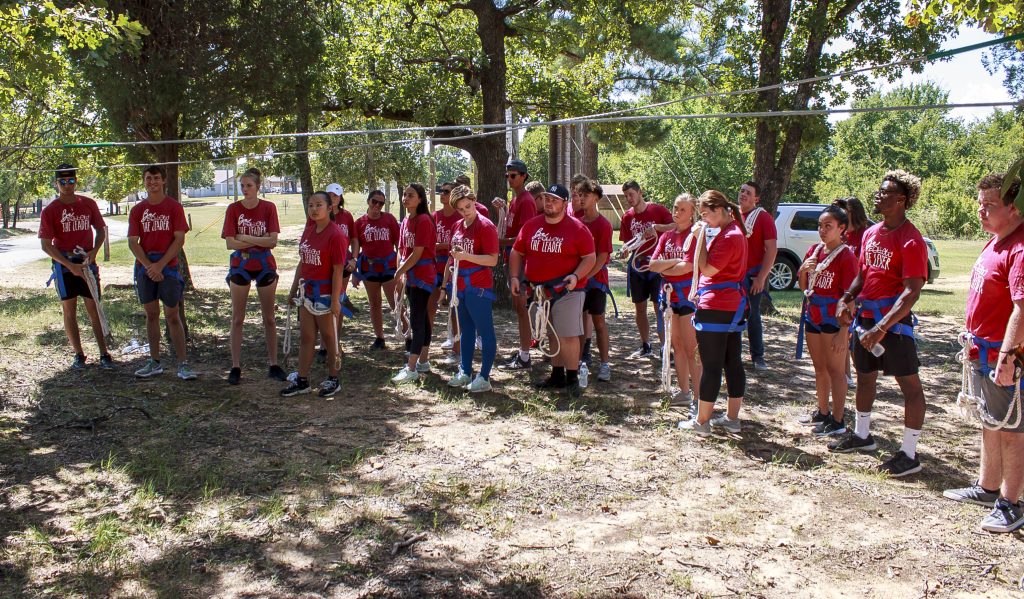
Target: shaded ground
116, 487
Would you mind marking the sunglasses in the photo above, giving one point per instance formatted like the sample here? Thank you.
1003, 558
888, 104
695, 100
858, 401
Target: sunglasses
445, 192
68, 181
377, 202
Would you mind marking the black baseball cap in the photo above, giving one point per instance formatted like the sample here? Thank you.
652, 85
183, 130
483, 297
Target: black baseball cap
558, 190
65, 170
516, 165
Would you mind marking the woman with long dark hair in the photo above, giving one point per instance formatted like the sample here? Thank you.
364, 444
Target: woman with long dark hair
417, 273
376, 245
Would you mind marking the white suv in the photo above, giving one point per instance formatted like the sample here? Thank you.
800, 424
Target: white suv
797, 225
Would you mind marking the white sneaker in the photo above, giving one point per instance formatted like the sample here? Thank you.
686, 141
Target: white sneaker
423, 367
451, 359
701, 430
584, 376
604, 373
461, 379
479, 385
448, 344
850, 382
405, 376
732, 426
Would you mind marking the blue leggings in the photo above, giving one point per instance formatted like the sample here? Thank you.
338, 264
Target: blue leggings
475, 317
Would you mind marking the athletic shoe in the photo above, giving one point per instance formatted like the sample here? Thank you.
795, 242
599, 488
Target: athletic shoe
479, 385
423, 367
329, 387
645, 351
851, 382
516, 363
829, 428
814, 418
235, 376
732, 426
1005, 517
680, 397
79, 362
405, 376
701, 430
461, 379
852, 442
277, 373
152, 368
378, 344
185, 372
298, 387
584, 376
321, 356
106, 362
900, 465
451, 359
759, 364
604, 373
448, 344
972, 494
550, 383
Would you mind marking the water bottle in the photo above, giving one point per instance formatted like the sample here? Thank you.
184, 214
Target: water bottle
877, 350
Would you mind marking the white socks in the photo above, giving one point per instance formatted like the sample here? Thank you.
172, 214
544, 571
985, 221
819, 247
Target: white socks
863, 426
910, 437
524, 355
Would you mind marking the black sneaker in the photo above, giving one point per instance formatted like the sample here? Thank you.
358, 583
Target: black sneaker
329, 387
851, 443
321, 356
585, 356
516, 363
829, 428
900, 465
299, 387
277, 373
79, 362
551, 383
645, 351
813, 419
235, 376
575, 391
106, 362
378, 344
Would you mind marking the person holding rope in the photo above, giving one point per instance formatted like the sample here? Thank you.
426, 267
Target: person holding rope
474, 252
893, 268
250, 230
597, 290
762, 246
417, 275
549, 261
66, 228
317, 289
719, 319
995, 330
445, 221
376, 244
673, 260
640, 227
828, 269
519, 213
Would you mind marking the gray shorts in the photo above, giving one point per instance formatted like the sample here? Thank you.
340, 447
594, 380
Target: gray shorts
996, 398
567, 314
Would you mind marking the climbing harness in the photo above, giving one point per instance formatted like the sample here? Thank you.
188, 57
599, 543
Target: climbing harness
972, 405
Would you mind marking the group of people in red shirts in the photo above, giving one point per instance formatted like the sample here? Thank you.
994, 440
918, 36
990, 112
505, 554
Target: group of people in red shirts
704, 263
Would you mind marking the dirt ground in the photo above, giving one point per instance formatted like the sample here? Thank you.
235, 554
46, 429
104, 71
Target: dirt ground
112, 487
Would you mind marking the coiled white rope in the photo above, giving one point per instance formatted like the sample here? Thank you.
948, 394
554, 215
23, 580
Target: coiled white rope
971, 405
94, 290
453, 302
666, 347
540, 321
502, 222
286, 343
821, 266
699, 230
634, 249
403, 330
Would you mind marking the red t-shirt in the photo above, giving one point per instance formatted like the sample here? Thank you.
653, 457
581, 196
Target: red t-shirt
71, 225
552, 251
239, 220
444, 226
155, 225
854, 240
481, 209
634, 223
833, 281
418, 231
763, 230
345, 222
997, 280
670, 247
601, 230
319, 252
481, 237
378, 237
520, 212
888, 257
728, 253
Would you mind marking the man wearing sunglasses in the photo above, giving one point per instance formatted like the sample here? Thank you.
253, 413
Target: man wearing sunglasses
65, 225
522, 210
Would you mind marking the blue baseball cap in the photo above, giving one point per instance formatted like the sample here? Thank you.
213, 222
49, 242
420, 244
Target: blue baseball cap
559, 191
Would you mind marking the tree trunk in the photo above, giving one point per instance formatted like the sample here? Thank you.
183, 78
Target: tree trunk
17, 207
302, 149
589, 162
5, 210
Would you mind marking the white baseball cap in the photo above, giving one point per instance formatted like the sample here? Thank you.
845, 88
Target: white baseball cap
334, 188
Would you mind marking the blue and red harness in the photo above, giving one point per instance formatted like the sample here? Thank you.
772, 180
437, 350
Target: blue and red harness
738, 324
240, 258
375, 267
413, 281
59, 270
470, 289
313, 291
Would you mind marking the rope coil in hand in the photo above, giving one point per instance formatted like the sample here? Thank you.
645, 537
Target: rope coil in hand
94, 290
971, 405
540, 321
666, 347
403, 330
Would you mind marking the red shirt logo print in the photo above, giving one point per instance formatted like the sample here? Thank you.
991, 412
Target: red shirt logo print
876, 256
74, 222
310, 255
546, 244
256, 228
151, 221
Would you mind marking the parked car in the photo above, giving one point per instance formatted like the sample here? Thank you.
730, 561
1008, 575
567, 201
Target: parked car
797, 224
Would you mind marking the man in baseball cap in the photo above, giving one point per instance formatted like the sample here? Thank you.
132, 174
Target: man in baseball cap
520, 211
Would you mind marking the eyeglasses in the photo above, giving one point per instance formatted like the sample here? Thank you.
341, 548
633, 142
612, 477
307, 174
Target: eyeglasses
68, 181
377, 202
445, 192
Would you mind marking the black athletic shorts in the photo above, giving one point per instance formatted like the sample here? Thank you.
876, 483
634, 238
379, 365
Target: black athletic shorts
595, 302
73, 286
268, 279
643, 286
378, 278
900, 357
